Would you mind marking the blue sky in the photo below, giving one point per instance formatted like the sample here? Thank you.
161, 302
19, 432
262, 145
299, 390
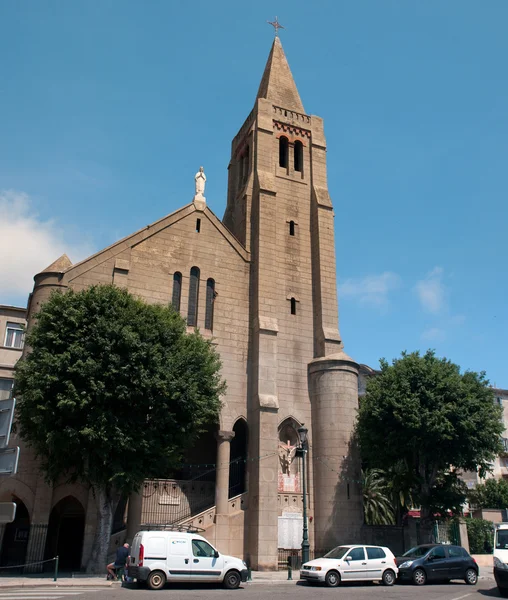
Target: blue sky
109, 107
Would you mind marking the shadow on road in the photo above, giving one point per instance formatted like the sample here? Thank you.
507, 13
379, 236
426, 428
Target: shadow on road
492, 593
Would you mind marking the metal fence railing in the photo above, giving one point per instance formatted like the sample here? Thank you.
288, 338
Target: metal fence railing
293, 557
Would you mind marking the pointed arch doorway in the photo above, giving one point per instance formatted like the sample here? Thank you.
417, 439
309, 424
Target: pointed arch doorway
15, 538
65, 533
238, 458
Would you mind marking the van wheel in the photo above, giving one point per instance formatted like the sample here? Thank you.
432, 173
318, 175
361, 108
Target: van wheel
388, 577
232, 580
156, 580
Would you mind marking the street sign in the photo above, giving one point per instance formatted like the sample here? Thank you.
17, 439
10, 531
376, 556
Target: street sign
6, 416
9, 460
7, 512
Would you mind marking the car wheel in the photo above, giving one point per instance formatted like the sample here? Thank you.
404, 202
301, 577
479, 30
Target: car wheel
232, 580
332, 579
419, 577
156, 580
471, 577
388, 577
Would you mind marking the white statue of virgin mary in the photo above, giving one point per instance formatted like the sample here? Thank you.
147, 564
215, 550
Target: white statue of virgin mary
200, 180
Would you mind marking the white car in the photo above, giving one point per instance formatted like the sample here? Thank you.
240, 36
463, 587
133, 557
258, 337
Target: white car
352, 563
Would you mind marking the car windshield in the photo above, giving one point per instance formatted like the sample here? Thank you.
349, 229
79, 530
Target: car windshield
502, 539
337, 552
417, 551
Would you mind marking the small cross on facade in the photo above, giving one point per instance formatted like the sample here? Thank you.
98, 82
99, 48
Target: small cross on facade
276, 25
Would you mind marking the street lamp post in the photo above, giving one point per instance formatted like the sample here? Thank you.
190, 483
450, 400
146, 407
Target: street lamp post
302, 434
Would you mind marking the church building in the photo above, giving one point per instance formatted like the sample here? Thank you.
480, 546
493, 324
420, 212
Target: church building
261, 283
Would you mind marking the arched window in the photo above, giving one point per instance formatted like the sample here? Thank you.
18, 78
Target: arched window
291, 228
283, 152
293, 306
298, 156
192, 311
177, 290
210, 299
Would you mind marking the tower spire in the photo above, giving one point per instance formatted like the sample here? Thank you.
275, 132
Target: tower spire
277, 83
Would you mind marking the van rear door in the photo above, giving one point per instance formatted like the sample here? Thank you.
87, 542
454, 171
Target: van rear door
179, 558
135, 549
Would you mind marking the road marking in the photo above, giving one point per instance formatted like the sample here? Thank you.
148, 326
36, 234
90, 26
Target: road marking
464, 596
45, 593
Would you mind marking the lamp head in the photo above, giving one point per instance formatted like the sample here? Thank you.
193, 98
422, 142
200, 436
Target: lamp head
302, 434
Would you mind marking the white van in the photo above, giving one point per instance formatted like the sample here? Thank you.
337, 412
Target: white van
501, 558
158, 557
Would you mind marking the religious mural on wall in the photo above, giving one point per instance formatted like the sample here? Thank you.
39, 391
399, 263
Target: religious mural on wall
289, 465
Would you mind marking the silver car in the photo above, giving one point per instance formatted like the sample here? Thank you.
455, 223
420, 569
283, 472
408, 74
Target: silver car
352, 563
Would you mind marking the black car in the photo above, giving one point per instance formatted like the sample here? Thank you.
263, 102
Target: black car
435, 562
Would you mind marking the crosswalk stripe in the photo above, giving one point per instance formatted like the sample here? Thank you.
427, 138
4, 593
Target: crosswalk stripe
46, 594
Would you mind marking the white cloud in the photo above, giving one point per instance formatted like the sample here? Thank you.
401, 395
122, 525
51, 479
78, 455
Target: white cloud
431, 291
372, 289
434, 334
27, 245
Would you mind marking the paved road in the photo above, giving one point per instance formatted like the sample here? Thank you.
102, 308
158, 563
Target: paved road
260, 591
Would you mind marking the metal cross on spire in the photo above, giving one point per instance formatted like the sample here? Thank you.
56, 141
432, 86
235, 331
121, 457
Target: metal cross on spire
276, 25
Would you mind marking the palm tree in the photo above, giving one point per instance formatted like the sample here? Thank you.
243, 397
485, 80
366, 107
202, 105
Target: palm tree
377, 505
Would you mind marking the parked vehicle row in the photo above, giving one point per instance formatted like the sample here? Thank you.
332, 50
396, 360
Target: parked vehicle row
429, 562
158, 557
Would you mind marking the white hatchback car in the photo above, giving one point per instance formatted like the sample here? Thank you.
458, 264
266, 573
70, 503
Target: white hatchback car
352, 563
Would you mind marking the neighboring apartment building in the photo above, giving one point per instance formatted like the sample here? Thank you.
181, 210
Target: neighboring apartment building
500, 466
12, 332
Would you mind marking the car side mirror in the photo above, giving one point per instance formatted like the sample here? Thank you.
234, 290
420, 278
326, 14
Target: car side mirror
348, 558
430, 557
216, 554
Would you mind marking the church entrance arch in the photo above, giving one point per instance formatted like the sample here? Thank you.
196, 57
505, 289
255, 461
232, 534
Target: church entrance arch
238, 458
66, 529
15, 539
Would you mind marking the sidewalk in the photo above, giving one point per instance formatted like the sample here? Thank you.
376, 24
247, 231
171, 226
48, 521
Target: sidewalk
262, 577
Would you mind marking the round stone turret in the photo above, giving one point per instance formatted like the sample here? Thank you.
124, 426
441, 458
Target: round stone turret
338, 510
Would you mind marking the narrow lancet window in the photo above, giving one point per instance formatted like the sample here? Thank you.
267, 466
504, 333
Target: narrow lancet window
298, 156
245, 165
291, 228
198, 225
293, 306
192, 311
283, 152
210, 299
177, 290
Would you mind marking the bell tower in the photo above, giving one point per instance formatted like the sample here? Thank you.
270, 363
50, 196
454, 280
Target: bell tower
279, 207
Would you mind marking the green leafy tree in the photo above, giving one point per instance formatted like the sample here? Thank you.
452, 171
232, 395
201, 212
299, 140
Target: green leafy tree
112, 391
424, 411
400, 481
480, 535
491, 494
377, 506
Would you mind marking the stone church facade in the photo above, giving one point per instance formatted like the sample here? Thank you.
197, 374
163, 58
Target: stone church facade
261, 283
